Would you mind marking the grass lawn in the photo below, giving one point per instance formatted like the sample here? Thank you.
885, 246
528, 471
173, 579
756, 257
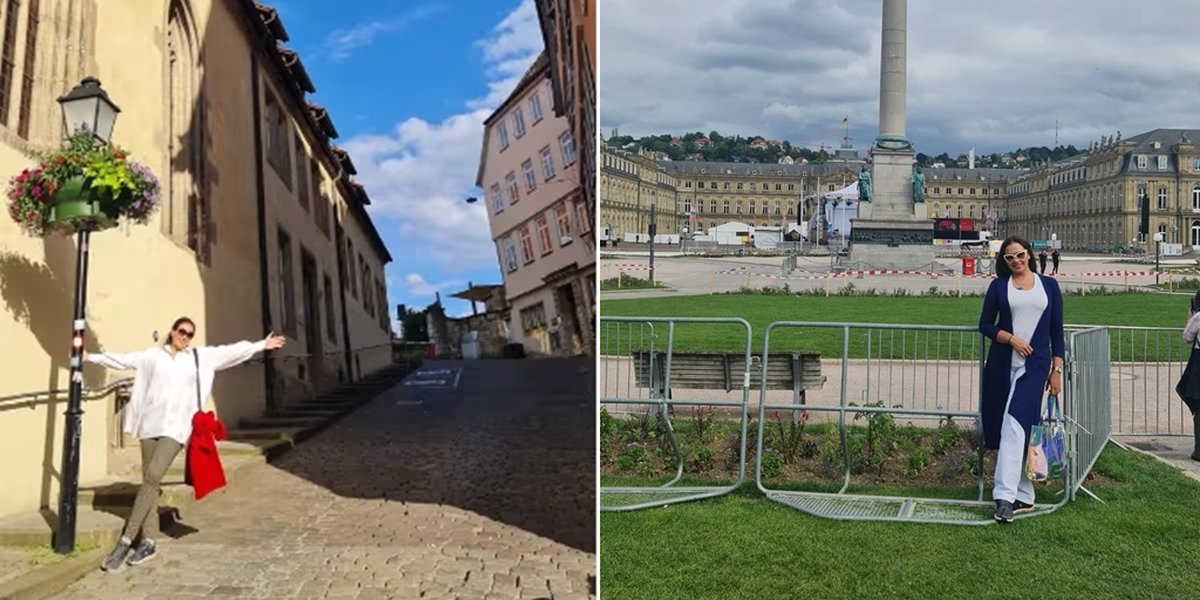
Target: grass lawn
1142, 543
1136, 309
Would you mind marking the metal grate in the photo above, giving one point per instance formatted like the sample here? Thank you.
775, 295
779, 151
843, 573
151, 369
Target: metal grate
923, 510
637, 498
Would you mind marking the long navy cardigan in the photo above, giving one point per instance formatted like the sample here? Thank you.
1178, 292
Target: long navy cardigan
1048, 341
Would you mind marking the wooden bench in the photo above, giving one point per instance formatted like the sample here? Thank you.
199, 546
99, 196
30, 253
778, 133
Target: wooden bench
796, 371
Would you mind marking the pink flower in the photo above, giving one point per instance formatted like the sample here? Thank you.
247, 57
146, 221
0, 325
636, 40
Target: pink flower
37, 192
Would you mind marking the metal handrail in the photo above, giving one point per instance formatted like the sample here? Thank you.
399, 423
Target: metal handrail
125, 382
89, 394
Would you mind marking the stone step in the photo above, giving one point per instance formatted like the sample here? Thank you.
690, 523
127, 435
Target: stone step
273, 433
120, 492
278, 421
319, 407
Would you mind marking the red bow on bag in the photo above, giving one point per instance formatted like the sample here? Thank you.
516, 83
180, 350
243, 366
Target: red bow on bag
204, 471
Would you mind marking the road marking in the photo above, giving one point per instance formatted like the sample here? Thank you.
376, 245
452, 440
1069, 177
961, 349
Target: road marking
435, 378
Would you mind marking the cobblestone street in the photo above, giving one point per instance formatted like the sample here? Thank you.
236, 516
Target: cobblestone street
481, 491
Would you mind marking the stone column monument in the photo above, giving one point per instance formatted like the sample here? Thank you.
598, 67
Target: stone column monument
893, 231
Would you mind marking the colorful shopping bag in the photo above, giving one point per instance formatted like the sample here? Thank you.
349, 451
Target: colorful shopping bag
1036, 466
1054, 439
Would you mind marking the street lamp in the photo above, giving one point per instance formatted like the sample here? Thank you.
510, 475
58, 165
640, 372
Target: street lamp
85, 107
1158, 238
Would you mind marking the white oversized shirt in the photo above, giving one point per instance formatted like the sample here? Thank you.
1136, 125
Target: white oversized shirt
1027, 308
164, 384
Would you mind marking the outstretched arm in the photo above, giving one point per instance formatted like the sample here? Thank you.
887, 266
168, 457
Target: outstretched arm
126, 361
232, 355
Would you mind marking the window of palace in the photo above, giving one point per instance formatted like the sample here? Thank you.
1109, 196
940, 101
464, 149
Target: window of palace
1162, 163
1162, 198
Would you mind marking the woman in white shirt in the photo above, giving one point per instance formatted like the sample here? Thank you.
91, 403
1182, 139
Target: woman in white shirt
168, 386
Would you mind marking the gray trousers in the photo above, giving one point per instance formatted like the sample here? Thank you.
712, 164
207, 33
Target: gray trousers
157, 455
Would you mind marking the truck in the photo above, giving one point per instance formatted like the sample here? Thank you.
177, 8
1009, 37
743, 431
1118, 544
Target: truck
959, 232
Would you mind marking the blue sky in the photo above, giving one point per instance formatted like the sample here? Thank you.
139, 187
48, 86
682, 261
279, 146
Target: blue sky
408, 85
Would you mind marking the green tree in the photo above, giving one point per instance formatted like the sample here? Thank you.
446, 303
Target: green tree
415, 328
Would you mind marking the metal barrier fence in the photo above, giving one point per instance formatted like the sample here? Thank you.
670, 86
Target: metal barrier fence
929, 372
1086, 404
1146, 364
641, 370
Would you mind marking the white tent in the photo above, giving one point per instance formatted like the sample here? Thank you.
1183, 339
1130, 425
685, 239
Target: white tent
849, 192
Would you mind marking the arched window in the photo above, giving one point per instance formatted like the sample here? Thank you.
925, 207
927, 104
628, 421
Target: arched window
186, 212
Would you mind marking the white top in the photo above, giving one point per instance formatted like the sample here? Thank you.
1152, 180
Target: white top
1193, 327
1027, 308
164, 385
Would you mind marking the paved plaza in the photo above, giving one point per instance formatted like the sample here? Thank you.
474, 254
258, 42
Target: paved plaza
688, 275
482, 487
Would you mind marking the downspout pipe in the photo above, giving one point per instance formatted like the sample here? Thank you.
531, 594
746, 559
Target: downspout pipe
260, 191
340, 238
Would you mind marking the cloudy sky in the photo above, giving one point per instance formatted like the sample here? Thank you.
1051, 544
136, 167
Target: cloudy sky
408, 85
992, 75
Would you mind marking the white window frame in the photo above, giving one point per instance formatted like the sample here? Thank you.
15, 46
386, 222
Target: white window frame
547, 163
1162, 163
502, 135
530, 177
566, 143
497, 199
519, 122
535, 107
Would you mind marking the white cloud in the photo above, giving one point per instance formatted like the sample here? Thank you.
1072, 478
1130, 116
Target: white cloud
509, 51
419, 174
342, 43
418, 286
979, 74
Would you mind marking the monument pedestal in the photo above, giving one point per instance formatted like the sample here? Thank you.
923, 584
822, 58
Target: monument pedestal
889, 233
902, 245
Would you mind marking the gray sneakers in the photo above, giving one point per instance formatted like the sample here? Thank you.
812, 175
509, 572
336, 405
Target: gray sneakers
144, 552
116, 560
1004, 511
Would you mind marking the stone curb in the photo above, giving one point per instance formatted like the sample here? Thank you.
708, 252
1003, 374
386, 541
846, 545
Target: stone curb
52, 579
49, 580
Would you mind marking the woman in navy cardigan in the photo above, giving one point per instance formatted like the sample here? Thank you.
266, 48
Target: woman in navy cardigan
1023, 316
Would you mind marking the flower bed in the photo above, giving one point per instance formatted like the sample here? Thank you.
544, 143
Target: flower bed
882, 452
82, 184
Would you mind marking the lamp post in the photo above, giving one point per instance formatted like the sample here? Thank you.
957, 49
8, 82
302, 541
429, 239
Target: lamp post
1158, 238
85, 107
653, 231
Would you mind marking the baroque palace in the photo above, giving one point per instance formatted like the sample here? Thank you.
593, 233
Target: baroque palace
1090, 201
261, 226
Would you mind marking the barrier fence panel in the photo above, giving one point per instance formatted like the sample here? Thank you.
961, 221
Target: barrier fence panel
1146, 364
1087, 405
671, 388
907, 411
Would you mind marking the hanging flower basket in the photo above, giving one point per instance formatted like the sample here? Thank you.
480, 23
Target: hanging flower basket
82, 186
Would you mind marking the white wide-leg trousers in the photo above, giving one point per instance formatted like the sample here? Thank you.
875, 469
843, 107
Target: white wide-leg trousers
1011, 482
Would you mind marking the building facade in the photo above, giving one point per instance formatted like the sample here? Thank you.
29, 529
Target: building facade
569, 35
1091, 201
261, 226
629, 186
539, 219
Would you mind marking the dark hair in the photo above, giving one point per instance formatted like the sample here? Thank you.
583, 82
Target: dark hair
1002, 269
181, 321
1196, 302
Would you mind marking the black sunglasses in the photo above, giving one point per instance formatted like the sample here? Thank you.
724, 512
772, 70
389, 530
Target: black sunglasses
188, 334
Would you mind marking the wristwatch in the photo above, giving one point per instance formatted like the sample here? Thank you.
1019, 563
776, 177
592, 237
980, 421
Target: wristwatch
1058, 369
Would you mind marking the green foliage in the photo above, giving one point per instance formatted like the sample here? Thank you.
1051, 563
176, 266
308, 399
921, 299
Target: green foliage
416, 329
772, 464
918, 459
